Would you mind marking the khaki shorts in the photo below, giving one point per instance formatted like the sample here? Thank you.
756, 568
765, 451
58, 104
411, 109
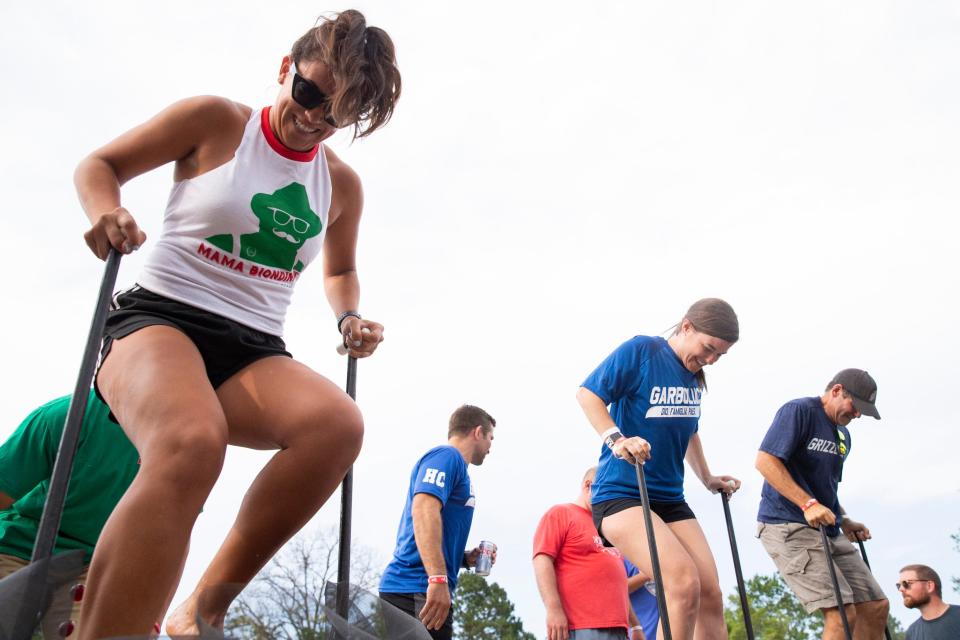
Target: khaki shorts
9, 564
797, 550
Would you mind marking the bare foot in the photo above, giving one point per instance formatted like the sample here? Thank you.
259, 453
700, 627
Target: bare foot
183, 620
194, 616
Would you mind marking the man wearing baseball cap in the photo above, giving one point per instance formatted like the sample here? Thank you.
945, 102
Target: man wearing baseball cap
801, 460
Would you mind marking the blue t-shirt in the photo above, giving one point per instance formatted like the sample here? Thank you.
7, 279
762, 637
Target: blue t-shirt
812, 449
442, 473
644, 604
651, 395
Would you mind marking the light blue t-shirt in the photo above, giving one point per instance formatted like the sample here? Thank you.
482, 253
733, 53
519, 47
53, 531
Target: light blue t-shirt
442, 473
651, 395
644, 605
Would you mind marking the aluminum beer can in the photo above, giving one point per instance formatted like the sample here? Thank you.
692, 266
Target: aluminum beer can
485, 559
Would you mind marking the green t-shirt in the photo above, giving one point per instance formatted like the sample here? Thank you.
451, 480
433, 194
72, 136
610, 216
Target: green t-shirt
104, 467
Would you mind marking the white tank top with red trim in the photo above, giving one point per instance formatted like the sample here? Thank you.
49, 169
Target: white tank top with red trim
235, 239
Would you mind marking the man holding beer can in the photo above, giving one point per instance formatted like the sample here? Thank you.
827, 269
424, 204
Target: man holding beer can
432, 537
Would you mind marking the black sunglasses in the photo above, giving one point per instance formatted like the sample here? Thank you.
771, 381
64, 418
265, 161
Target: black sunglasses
309, 96
906, 583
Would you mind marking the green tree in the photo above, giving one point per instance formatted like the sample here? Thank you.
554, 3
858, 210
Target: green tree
897, 632
775, 612
482, 611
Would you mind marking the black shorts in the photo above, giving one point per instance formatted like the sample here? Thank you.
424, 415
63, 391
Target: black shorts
668, 511
225, 346
411, 604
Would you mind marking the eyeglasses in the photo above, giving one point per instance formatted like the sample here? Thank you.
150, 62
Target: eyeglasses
905, 584
284, 218
309, 96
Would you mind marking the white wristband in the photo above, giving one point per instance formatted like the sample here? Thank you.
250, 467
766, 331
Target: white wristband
609, 432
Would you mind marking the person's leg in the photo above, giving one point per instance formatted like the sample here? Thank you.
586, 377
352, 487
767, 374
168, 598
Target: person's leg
797, 550
710, 623
871, 619
870, 601
275, 403
833, 624
156, 385
681, 582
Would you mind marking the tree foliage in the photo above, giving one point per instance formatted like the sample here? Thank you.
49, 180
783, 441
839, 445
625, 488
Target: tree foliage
482, 611
956, 546
774, 611
286, 599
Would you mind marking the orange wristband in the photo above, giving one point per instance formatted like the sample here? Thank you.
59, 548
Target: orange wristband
437, 579
809, 503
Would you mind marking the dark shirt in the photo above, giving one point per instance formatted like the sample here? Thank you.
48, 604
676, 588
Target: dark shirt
813, 449
946, 627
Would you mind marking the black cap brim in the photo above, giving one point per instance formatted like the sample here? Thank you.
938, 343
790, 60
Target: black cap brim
865, 408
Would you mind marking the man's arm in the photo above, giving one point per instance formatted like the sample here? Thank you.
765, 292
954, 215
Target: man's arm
636, 581
557, 626
428, 533
775, 473
636, 629
5, 501
852, 529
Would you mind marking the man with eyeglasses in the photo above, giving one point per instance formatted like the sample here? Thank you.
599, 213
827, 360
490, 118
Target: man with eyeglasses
920, 588
801, 460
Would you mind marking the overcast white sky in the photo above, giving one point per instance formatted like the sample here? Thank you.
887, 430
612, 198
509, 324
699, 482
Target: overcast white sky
558, 178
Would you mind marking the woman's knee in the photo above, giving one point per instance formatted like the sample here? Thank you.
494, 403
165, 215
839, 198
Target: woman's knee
682, 583
189, 455
336, 430
710, 594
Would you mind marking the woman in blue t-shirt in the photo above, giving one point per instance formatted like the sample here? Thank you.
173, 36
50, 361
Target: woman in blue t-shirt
653, 388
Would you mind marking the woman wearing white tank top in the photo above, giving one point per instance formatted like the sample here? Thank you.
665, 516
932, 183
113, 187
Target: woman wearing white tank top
193, 356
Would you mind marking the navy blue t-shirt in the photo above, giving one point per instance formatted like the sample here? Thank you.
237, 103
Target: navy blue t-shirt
441, 472
651, 395
812, 449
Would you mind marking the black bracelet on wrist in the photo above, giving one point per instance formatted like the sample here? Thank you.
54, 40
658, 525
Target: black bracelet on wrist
612, 439
343, 316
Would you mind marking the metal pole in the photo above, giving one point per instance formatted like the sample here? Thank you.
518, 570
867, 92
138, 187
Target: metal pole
748, 624
37, 596
863, 552
654, 557
346, 514
836, 584
60, 478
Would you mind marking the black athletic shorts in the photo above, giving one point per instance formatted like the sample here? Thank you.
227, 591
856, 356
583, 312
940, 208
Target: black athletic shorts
225, 346
668, 511
411, 604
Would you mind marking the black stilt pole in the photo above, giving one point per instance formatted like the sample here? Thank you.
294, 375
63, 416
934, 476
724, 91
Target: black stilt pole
748, 624
654, 557
346, 514
35, 607
863, 552
836, 584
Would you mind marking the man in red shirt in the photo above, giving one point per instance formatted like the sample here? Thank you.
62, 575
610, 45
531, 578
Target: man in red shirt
583, 584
